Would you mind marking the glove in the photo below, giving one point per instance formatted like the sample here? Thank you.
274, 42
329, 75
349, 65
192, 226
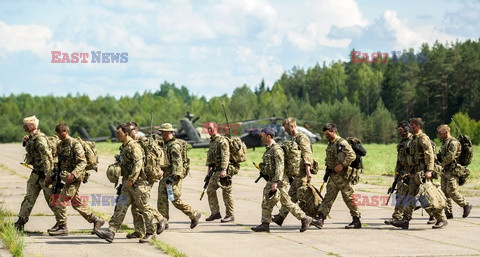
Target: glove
170, 180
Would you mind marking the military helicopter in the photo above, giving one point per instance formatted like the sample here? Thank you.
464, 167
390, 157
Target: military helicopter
112, 138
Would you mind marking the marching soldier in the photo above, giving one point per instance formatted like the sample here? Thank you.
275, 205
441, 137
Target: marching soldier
218, 157
138, 222
306, 161
39, 155
72, 163
401, 170
339, 156
173, 175
275, 189
135, 188
423, 158
449, 155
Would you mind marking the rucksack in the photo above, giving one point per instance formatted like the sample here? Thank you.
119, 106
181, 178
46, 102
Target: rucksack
91, 154
52, 143
186, 161
357, 164
154, 158
292, 158
309, 199
238, 149
466, 155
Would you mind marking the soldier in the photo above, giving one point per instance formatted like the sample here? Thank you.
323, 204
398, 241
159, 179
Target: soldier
449, 155
218, 158
173, 175
138, 222
423, 157
339, 155
306, 161
275, 189
401, 170
39, 155
135, 188
72, 163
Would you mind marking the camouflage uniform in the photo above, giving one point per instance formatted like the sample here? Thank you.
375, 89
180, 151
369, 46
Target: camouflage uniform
40, 157
300, 181
422, 158
218, 157
139, 193
273, 166
339, 152
175, 157
402, 169
138, 221
449, 155
71, 159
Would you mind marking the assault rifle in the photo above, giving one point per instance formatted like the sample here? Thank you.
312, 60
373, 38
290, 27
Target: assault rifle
207, 180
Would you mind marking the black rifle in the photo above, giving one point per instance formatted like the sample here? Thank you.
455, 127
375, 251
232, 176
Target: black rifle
261, 175
207, 180
119, 191
393, 187
57, 180
325, 179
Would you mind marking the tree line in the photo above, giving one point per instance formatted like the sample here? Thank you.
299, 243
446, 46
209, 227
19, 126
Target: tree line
364, 99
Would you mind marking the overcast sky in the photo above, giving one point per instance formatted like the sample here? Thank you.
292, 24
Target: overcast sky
211, 47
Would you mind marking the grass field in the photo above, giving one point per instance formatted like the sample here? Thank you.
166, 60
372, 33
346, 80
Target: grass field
379, 163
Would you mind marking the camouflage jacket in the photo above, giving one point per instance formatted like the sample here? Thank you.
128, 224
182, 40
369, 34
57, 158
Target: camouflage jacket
218, 153
39, 154
306, 151
450, 152
402, 162
338, 152
131, 156
272, 161
421, 151
175, 158
71, 157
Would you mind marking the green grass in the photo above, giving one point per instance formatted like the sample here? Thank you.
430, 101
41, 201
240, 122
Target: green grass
14, 240
167, 248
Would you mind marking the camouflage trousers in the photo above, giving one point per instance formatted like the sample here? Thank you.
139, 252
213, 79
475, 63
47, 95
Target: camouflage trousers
70, 196
282, 196
35, 184
339, 183
137, 196
449, 185
298, 182
213, 185
162, 203
408, 206
402, 191
139, 222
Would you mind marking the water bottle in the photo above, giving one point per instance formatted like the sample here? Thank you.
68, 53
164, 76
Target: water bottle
170, 192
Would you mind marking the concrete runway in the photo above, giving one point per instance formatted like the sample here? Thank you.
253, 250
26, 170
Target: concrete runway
460, 238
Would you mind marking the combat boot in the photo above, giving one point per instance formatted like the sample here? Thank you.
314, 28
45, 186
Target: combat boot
431, 220
440, 224
264, 227
213, 217
227, 219
306, 223
194, 221
389, 222
147, 238
105, 234
20, 224
319, 221
61, 231
54, 228
135, 234
161, 226
448, 214
401, 223
97, 223
466, 210
278, 219
355, 223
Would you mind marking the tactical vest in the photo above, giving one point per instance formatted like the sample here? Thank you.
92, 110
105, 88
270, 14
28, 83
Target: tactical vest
444, 151
34, 157
417, 153
66, 154
334, 153
268, 161
402, 154
127, 159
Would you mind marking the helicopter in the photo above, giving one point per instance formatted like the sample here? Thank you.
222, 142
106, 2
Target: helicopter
112, 138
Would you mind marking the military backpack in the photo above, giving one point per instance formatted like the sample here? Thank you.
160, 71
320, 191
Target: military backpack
309, 200
292, 158
357, 164
466, 155
431, 197
154, 158
238, 149
91, 154
186, 161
